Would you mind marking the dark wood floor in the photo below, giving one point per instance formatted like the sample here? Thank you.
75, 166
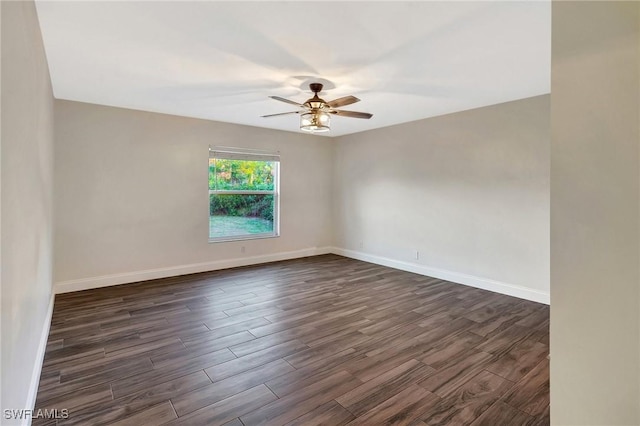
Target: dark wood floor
322, 340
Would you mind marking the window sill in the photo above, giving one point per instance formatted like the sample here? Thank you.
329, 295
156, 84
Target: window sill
242, 238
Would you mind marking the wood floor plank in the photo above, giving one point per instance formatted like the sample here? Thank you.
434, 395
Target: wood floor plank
249, 312
404, 408
69, 356
83, 378
330, 413
300, 321
73, 400
286, 342
455, 347
255, 345
130, 324
157, 415
55, 363
216, 323
224, 331
469, 401
302, 401
214, 392
123, 386
408, 336
501, 413
516, 363
108, 412
147, 349
256, 359
490, 310
195, 317
506, 340
49, 379
372, 366
537, 318
291, 382
379, 389
321, 361
226, 410
531, 393
180, 330
202, 348
544, 419
448, 379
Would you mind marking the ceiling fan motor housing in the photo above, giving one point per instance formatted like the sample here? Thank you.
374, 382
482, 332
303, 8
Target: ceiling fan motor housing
315, 87
316, 103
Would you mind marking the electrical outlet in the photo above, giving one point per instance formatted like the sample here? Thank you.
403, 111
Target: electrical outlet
416, 255
361, 245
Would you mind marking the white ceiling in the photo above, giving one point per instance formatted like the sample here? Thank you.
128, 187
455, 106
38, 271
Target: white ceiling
221, 60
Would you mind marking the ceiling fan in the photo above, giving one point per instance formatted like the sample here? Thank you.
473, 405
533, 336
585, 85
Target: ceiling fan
314, 115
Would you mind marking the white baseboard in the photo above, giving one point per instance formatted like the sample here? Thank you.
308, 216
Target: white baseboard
456, 277
172, 271
150, 274
37, 367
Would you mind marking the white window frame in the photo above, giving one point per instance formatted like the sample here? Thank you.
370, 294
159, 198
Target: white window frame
227, 153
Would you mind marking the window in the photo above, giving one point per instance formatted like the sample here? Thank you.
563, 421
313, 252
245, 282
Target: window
243, 194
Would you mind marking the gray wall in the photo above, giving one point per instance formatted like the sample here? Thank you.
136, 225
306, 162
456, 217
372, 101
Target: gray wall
26, 188
469, 191
595, 347
132, 196
122, 176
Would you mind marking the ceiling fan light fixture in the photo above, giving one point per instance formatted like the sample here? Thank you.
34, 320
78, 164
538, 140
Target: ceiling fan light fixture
314, 112
315, 122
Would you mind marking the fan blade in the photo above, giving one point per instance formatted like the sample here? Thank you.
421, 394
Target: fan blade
346, 100
353, 114
282, 113
278, 98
